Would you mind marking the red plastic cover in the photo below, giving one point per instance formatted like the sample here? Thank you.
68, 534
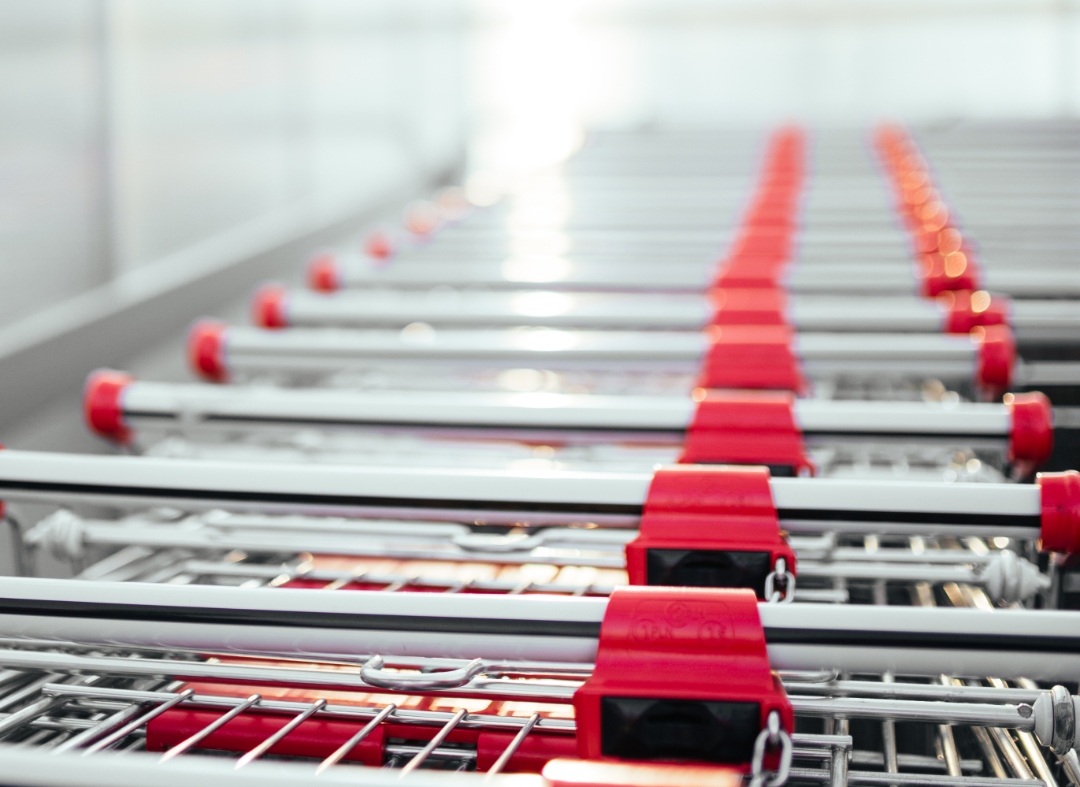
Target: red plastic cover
324, 273
1060, 511
708, 508
1031, 435
996, 358
746, 272
745, 427
269, 306
751, 356
966, 310
379, 245
748, 306
679, 644
102, 404
954, 271
206, 350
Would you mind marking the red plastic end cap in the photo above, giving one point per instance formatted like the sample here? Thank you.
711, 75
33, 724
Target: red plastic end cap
675, 645
996, 358
206, 350
103, 408
708, 509
749, 306
752, 356
746, 427
324, 273
1060, 511
1031, 436
378, 245
269, 306
565, 772
966, 310
943, 272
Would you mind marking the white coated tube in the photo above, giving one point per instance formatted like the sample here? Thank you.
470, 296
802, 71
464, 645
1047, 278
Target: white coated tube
585, 310
303, 349
34, 475
360, 308
903, 640
536, 410
906, 496
552, 271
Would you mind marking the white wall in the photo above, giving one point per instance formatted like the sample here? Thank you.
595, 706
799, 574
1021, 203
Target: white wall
132, 129
575, 64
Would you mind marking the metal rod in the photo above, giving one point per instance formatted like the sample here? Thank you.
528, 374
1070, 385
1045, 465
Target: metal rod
210, 729
138, 722
270, 742
342, 751
515, 744
434, 743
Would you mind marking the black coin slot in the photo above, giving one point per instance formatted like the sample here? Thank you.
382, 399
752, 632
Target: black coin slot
657, 729
701, 568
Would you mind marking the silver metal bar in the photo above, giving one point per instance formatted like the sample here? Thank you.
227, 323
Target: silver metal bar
515, 744
270, 742
1012, 716
342, 751
138, 722
211, 728
434, 743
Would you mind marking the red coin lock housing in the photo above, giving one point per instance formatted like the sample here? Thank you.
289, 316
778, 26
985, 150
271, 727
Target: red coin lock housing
710, 526
681, 674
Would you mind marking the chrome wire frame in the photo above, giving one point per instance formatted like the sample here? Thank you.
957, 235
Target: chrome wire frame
862, 729
72, 699
224, 548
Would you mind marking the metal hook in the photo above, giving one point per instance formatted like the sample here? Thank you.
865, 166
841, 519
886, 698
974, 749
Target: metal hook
373, 674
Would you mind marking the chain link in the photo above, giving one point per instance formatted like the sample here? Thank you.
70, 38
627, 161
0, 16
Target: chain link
779, 578
771, 737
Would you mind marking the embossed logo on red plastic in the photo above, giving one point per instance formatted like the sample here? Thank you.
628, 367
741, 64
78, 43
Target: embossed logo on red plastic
680, 621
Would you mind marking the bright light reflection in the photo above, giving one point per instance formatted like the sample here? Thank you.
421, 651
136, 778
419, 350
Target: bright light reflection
536, 269
553, 243
543, 203
545, 340
529, 380
542, 303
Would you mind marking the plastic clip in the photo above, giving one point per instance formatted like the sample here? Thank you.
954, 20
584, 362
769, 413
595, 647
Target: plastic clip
680, 674
712, 526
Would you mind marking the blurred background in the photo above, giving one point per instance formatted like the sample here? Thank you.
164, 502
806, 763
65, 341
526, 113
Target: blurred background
158, 158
